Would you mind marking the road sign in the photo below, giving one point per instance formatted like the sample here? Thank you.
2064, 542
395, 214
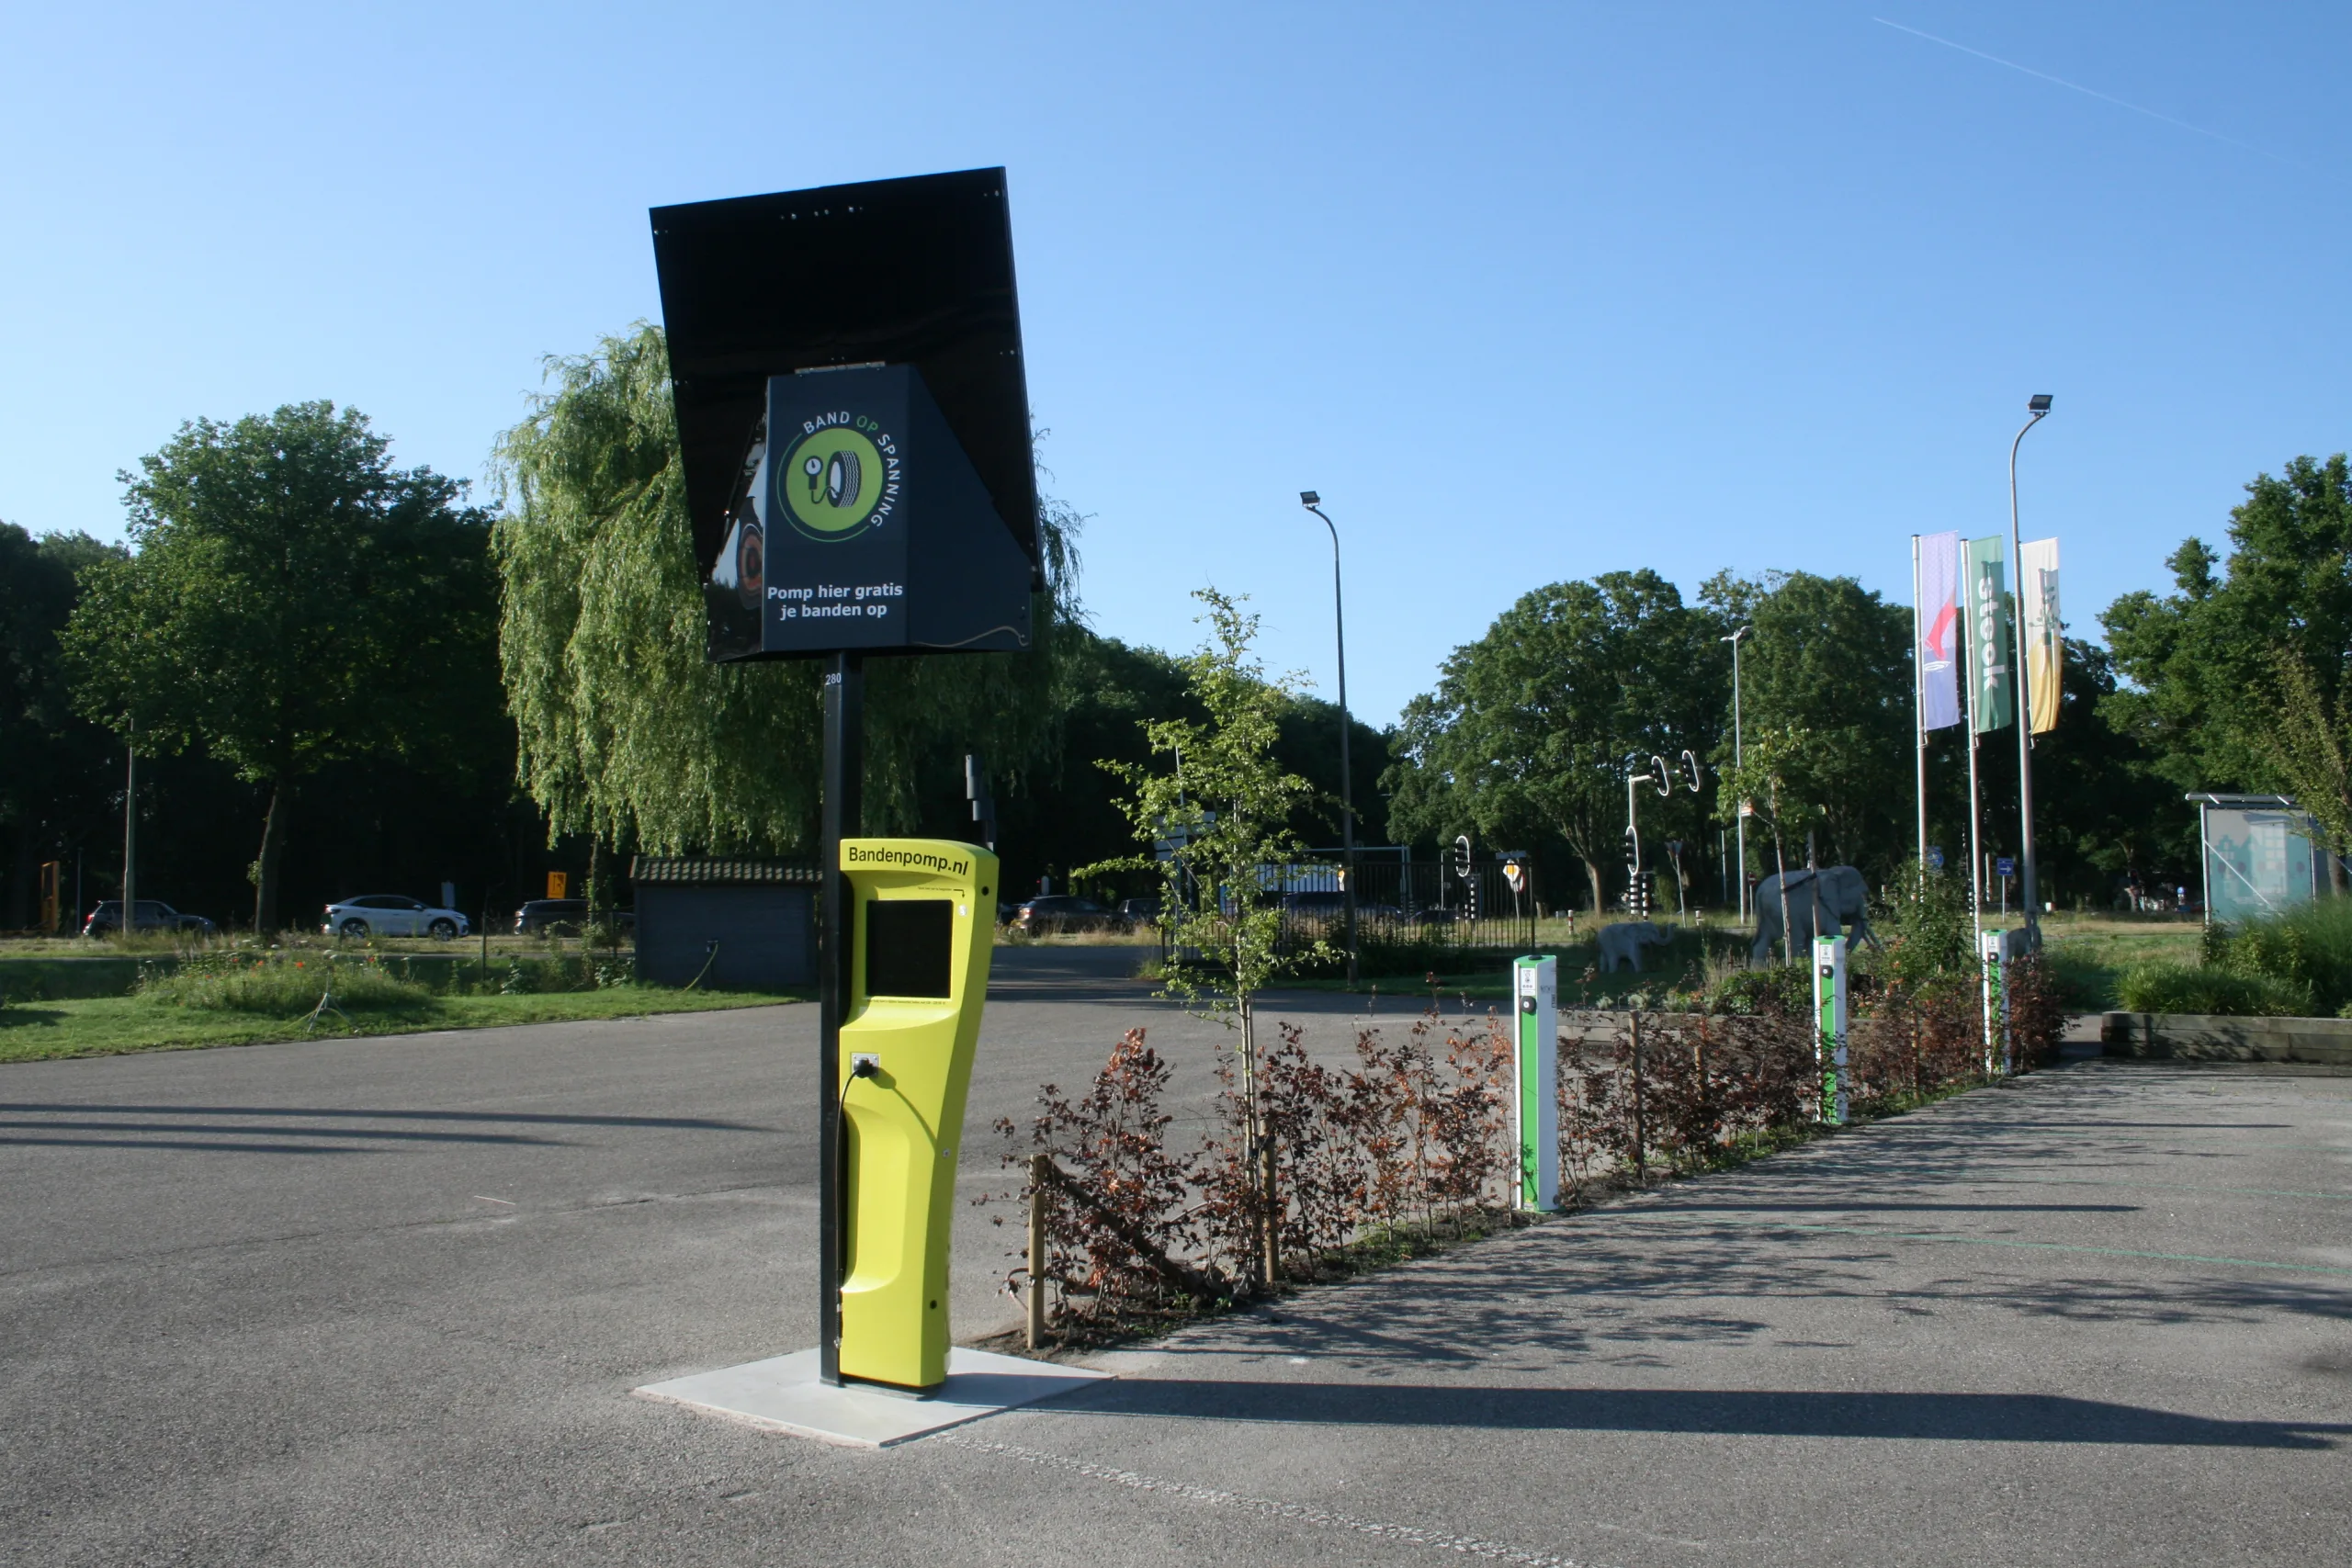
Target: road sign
1935, 857
853, 417
2005, 866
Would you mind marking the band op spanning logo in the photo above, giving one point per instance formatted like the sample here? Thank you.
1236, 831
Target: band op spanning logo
841, 480
837, 482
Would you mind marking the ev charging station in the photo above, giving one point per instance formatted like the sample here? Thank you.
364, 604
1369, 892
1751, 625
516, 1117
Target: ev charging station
1535, 1079
854, 431
1992, 950
1829, 1014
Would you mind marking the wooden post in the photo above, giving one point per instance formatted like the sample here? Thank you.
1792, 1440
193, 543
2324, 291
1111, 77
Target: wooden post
1641, 1119
1040, 1172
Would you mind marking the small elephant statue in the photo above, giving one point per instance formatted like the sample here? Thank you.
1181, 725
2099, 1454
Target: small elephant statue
1837, 893
1623, 941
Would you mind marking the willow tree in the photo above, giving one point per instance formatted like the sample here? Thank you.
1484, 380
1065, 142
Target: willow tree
627, 733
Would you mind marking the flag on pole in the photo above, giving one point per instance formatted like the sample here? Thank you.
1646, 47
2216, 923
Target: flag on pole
1992, 687
2045, 667
1937, 621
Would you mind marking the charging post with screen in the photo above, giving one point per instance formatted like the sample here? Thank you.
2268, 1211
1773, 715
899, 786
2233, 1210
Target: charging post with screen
924, 927
846, 370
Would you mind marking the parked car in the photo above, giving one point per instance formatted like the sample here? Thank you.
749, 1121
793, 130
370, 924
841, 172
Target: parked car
1136, 913
390, 914
564, 917
148, 915
1053, 912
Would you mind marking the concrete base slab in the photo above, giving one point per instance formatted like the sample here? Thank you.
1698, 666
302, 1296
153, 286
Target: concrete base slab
782, 1393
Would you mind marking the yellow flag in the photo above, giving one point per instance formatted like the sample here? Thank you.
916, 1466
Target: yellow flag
2038, 582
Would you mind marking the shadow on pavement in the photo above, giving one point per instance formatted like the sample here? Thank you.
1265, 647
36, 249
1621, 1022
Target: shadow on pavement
1950, 1417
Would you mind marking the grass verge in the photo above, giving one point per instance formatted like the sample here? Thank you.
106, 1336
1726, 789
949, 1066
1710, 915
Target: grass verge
105, 1026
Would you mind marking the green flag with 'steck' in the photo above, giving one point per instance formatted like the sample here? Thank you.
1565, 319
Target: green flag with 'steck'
1992, 692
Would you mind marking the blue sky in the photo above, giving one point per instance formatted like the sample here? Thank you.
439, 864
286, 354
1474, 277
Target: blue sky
1528, 292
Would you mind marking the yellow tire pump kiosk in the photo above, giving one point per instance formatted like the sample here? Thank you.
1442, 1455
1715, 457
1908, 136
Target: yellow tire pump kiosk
923, 923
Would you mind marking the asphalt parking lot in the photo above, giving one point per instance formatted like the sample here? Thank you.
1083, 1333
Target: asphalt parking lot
383, 1302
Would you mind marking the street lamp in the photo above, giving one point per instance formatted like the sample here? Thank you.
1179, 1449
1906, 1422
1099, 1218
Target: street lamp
1314, 503
1739, 759
2036, 409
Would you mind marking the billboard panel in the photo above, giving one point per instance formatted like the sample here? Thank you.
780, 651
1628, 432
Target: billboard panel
761, 293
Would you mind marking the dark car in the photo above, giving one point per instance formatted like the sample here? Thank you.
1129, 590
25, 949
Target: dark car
564, 917
1137, 913
1053, 912
151, 915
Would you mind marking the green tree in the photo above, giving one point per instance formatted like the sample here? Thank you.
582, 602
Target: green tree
1532, 728
1226, 800
2210, 667
626, 731
1830, 659
56, 767
294, 600
2311, 748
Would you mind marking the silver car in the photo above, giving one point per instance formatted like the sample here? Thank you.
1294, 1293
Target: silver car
390, 914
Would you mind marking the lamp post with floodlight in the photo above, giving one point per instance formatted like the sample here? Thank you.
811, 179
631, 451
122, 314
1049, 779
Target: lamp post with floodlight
1737, 758
2036, 409
1314, 503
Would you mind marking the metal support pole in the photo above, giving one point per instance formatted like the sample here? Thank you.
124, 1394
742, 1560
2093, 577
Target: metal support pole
1739, 759
2025, 696
1347, 770
843, 812
129, 922
1919, 704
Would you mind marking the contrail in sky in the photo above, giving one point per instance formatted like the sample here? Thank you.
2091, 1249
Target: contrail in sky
2073, 86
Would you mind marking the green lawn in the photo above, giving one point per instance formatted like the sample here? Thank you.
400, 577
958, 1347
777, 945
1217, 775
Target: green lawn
105, 1026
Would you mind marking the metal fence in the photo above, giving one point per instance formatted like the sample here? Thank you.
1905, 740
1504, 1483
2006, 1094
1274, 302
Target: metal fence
1404, 910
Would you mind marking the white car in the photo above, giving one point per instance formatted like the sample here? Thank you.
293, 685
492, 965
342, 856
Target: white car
389, 914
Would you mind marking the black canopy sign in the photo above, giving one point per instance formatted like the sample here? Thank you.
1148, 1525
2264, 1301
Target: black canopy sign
853, 416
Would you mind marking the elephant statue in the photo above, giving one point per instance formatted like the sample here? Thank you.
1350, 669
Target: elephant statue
1838, 892
1623, 941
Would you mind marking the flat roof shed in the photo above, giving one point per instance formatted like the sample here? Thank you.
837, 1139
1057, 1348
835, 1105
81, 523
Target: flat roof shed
736, 925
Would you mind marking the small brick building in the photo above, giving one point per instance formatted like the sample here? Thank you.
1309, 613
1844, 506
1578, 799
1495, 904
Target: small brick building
751, 924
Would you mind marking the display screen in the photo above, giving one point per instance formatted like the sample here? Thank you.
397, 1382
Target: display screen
909, 946
901, 272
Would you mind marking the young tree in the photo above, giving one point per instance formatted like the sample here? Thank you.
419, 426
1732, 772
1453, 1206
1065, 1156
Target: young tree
1783, 783
628, 732
1531, 726
1222, 808
294, 600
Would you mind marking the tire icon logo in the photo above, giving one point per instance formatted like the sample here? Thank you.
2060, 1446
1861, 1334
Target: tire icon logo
832, 482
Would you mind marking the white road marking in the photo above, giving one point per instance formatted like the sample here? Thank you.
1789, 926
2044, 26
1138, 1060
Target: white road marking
1437, 1540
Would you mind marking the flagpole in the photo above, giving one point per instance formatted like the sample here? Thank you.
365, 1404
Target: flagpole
1919, 702
1966, 588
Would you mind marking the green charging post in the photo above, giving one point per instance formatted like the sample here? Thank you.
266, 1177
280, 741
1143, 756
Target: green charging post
1536, 1080
1993, 951
1829, 1021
